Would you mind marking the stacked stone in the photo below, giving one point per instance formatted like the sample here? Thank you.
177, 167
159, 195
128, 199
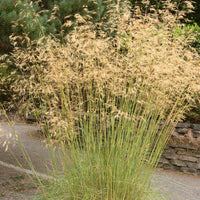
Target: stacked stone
183, 154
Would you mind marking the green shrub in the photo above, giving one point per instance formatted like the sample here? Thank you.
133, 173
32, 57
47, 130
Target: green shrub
7, 77
39, 18
4, 88
193, 116
192, 32
36, 19
192, 8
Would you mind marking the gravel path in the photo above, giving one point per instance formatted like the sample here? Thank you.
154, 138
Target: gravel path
15, 184
176, 185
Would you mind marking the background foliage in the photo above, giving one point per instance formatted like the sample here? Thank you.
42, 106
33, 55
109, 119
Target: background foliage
38, 18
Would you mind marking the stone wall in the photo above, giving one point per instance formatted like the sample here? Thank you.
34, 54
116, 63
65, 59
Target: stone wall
183, 150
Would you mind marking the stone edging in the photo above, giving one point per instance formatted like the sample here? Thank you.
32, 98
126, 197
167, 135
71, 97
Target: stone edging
182, 153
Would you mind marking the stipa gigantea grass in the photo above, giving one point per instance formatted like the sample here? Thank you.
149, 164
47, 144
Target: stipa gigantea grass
114, 154
103, 96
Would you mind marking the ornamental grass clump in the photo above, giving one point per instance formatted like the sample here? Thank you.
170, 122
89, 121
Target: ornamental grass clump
111, 95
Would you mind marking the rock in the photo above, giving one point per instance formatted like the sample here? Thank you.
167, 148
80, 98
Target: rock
188, 158
183, 125
179, 163
167, 166
182, 131
196, 126
171, 156
180, 150
185, 146
164, 161
198, 166
184, 169
192, 165
196, 134
169, 151
189, 170
171, 145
